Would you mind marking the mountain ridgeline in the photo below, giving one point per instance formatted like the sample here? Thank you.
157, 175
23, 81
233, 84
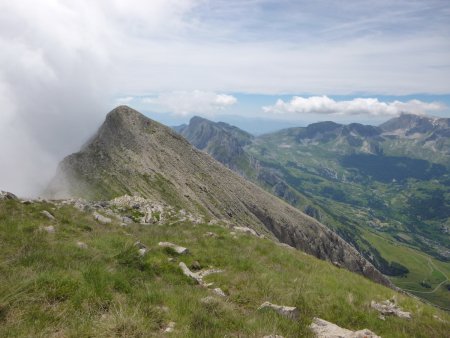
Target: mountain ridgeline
381, 188
131, 154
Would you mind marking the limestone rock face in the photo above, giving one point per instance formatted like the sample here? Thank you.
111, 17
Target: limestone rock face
324, 329
131, 154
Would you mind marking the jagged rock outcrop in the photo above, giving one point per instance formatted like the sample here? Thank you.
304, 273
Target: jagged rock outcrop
131, 154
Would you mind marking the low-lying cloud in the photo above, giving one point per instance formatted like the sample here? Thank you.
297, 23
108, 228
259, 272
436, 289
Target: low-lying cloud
190, 102
359, 106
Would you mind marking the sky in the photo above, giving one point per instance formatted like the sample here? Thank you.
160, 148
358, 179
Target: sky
64, 64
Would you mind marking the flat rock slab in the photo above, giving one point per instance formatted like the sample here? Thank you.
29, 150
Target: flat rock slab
290, 312
101, 219
178, 249
246, 230
324, 329
389, 308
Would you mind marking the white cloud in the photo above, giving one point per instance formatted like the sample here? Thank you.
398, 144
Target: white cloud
190, 102
124, 100
357, 106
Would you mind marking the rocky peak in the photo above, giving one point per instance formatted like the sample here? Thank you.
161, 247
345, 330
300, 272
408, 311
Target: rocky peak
131, 154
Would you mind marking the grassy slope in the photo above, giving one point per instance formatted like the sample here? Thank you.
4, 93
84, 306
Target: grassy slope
422, 268
361, 203
50, 287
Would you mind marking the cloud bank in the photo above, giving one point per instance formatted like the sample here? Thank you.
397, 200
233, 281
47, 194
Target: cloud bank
358, 106
190, 102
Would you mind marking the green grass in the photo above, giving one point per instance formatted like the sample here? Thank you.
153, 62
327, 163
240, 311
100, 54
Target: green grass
421, 268
51, 287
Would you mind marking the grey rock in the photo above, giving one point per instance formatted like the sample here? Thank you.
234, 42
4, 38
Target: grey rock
198, 276
48, 215
178, 249
324, 329
101, 219
290, 312
389, 308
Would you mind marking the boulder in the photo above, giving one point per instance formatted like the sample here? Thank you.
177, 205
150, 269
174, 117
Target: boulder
189, 273
101, 219
178, 249
389, 308
324, 329
290, 312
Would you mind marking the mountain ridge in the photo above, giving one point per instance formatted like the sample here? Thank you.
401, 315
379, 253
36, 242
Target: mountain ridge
133, 154
358, 181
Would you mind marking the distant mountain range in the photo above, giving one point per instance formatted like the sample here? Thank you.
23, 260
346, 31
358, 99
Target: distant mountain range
379, 187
